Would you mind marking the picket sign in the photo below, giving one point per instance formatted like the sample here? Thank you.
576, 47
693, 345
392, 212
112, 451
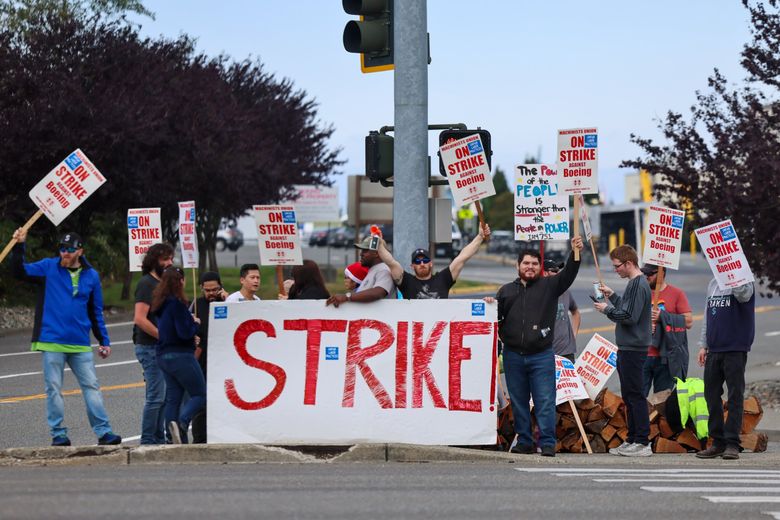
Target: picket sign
301, 372
188, 239
725, 255
568, 387
277, 238
467, 172
578, 166
144, 229
541, 211
596, 363
663, 242
61, 191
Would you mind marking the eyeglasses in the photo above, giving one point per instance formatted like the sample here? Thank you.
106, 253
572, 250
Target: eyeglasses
616, 267
421, 260
70, 250
215, 290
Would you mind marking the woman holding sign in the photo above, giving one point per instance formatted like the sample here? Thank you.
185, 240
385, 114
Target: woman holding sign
176, 354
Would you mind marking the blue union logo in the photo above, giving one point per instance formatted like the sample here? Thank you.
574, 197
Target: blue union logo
478, 309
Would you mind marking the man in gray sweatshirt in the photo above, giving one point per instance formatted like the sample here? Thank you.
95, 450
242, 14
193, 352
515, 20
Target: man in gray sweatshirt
632, 316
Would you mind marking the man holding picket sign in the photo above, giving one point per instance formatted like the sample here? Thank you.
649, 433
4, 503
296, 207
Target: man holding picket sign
527, 310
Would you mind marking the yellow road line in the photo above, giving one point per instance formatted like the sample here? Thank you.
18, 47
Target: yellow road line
69, 392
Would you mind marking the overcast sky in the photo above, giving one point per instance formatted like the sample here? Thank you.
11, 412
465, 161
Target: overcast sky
520, 69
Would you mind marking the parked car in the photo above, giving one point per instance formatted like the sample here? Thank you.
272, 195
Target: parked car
229, 236
319, 237
450, 249
502, 242
342, 237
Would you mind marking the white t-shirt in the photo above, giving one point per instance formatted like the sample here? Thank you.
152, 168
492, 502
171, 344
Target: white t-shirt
379, 276
238, 297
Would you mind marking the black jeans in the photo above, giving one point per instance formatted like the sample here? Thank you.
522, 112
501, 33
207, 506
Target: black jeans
729, 368
630, 366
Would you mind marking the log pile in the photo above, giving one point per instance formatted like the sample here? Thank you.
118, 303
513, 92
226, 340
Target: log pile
604, 420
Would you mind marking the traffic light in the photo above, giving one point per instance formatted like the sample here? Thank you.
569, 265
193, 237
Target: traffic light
449, 135
379, 156
372, 36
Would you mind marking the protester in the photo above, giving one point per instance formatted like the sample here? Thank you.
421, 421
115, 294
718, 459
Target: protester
673, 302
377, 284
526, 315
249, 278
726, 337
424, 284
70, 302
211, 288
176, 354
354, 274
157, 258
631, 314
564, 338
308, 283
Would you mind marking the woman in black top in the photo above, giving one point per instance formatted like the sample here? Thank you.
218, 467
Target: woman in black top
309, 284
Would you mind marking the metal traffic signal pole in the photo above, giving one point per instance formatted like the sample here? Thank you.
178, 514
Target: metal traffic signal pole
410, 153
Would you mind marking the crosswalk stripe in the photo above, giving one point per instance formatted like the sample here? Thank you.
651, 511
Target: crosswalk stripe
742, 500
713, 489
640, 474
664, 471
773, 514
692, 480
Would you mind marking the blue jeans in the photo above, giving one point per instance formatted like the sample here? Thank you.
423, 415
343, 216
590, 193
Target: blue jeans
656, 374
152, 420
532, 376
182, 374
83, 367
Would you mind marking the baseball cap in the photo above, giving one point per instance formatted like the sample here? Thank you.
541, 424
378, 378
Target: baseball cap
649, 269
420, 252
364, 244
552, 265
71, 240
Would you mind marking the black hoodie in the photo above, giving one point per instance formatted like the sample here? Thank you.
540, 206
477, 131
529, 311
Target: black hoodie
526, 313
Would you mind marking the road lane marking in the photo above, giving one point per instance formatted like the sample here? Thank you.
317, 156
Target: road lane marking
713, 489
693, 480
743, 500
623, 470
773, 514
27, 352
642, 474
775, 333
71, 392
109, 325
68, 369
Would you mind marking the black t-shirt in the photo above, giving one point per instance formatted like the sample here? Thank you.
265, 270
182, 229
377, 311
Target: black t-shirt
143, 294
437, 287
203, 330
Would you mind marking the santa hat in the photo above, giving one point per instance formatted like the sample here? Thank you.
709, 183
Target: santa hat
356, 272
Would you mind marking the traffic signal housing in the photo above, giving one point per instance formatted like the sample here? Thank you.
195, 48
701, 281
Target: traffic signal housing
449, 135
379, 156
372, 35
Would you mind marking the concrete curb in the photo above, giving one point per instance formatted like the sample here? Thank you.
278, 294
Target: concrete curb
359, 453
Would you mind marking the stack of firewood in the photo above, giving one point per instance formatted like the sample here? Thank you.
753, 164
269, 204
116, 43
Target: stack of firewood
604, 420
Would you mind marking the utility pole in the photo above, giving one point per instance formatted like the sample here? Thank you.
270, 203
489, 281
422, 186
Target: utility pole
410, 154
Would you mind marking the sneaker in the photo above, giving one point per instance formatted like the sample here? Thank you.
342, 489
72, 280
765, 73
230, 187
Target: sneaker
60, 440
731, 453
637, 450
712, 452
173, 430
548, 451
616, 451
523, 449
109, 439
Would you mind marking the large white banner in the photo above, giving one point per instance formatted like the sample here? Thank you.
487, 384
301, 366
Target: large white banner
65, 187
724, 253
277, 235
663, 237
467, 170
541, 211
143, 230
578, 160
596, 364
316, 203
188, 239
298, 372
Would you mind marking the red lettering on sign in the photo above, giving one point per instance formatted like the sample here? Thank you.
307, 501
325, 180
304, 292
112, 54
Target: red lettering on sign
314, 330
274, 217
716, 238
458, 354
356, 357
421, 359
401, 363
243, 332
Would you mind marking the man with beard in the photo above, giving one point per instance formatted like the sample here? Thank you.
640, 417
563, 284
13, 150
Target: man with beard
377, 284
211, 286
527, 309
158, 257
424, 284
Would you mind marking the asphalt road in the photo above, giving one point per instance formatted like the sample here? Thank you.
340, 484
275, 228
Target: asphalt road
447, 491
22, 405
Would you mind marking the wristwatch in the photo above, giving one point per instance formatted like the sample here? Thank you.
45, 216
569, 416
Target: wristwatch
349, 296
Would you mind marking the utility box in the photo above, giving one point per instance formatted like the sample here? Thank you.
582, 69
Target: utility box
439, 220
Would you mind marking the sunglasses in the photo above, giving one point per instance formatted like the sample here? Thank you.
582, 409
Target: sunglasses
71, 250
421, 260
